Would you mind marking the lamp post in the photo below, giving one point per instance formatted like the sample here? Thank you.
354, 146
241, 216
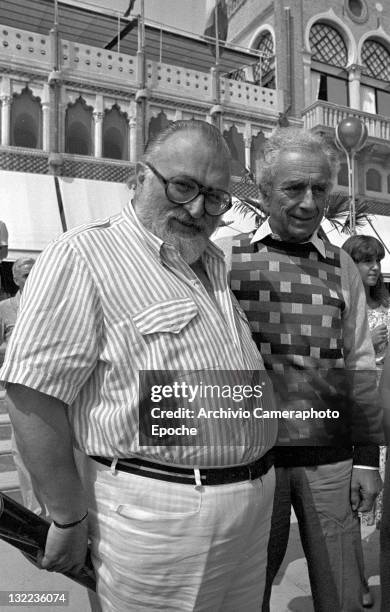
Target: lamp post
351, 135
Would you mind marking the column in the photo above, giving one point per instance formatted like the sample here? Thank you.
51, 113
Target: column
6, 102
354, 74
308, 96
98, 133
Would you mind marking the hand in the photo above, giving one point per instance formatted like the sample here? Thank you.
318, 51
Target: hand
365, 486
65, 549
379, 335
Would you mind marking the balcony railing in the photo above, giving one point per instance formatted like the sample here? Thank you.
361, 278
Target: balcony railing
325, 114
96, 66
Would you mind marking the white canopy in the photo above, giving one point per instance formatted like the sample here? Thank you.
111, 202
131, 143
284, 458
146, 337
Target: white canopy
30, 207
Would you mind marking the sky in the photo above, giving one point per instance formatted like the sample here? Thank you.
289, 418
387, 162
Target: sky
188, 15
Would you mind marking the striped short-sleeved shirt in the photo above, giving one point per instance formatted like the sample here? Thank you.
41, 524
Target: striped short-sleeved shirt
110, 299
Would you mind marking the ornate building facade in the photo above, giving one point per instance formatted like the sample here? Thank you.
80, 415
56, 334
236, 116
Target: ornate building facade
331, 60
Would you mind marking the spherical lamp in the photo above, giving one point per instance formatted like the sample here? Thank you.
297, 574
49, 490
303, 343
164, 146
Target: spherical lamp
351, 134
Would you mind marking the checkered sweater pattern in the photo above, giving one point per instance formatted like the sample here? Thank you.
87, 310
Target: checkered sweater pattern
292, 298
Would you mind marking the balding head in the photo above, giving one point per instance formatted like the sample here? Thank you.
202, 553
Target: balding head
21, 269
209, 134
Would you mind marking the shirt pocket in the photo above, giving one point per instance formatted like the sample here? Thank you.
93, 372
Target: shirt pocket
169, 316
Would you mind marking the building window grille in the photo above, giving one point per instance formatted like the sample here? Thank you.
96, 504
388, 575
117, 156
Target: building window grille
376, 60
264, 70
327, 45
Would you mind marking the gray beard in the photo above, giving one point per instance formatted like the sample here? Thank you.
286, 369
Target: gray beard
190, 250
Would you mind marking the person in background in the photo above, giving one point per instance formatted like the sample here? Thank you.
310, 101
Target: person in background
384, 387
306, 306
367, 253
9, 307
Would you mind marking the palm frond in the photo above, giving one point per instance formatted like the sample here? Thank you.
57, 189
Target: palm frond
337, 212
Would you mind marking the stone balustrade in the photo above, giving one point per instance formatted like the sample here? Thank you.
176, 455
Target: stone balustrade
94, 65
24, 48
329, 115
95, 62
250, 96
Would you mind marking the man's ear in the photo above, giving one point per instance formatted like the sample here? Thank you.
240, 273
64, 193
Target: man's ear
140, 170
264, 201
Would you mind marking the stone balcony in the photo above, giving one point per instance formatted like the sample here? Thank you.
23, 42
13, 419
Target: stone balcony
326, 115
21, 50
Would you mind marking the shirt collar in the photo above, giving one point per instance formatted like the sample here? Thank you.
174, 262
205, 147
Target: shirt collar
156, 244
265, 230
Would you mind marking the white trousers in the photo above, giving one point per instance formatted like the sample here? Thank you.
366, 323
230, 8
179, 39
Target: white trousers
175, 547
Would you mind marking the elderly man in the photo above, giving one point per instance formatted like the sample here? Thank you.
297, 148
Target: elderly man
9, 308
306, 305
174, 524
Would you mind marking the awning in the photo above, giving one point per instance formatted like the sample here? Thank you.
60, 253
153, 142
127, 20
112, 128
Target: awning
30, 207
85, 200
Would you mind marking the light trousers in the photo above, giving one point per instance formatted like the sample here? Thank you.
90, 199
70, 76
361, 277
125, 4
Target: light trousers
176, 547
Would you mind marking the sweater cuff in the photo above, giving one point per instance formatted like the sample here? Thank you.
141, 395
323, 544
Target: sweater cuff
366, 455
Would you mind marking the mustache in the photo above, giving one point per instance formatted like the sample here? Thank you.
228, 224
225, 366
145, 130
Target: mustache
186, 219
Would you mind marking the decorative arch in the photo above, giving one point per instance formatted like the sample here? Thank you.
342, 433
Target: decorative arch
330, 18
26, 120
375, 57
328, 45
379, 35
78, 128
257, 149
115, 133
265, 27
264, 71
157, 124
235, 142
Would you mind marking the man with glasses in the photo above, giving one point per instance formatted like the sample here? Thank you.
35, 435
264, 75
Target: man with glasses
176, 523
306, 305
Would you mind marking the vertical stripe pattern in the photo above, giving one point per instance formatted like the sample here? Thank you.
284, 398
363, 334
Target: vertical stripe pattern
110, 299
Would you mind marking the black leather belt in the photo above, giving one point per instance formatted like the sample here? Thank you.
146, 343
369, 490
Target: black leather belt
209, 476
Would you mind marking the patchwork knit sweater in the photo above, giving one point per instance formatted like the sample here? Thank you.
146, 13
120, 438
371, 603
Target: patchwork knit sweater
300, 313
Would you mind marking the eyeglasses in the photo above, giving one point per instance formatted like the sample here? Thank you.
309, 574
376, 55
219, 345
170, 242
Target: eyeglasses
183, 190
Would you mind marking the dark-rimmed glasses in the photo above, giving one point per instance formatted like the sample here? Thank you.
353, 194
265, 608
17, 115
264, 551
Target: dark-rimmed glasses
184, 189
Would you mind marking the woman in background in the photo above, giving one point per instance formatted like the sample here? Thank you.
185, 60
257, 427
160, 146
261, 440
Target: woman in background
367, 252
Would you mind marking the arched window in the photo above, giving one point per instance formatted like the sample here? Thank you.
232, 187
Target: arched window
328, 50
26, 120
115, 134
376, 61
373, 180
157, 124
264, 70
257, 150
236, 145
78, 128
342, 177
